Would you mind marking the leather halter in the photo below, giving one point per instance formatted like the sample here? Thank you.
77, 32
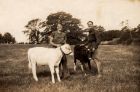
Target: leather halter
63, 51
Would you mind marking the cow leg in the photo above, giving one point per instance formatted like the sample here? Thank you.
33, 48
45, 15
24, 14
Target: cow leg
74, 64
98, 63
57, 73
89, 65
52, 73
34, 71
83, 67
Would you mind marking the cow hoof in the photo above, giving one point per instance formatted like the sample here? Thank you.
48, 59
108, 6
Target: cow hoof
99, 76
75, 69
36, 80
53, 82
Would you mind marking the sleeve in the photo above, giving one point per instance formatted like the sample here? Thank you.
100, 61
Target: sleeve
53, 34
86, 30
98, 39
65, 37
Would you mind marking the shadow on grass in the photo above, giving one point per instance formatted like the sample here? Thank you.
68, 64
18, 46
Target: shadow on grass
92, 72
43, 74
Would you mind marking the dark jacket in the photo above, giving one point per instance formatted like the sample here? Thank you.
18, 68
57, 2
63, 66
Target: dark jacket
93, 39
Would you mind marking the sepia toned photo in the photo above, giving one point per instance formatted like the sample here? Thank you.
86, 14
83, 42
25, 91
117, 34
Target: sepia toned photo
69, 45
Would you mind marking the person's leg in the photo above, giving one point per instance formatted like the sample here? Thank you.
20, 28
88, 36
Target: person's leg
98, 62
65, 71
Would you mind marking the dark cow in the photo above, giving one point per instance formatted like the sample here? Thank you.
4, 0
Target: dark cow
87, 52
85, 56
82, 54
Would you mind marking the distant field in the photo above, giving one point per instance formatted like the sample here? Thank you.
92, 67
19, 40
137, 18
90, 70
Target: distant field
121, 72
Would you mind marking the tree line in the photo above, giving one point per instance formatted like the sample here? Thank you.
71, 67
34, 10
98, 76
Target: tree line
7, 38
124, 36
38, 30
71, 26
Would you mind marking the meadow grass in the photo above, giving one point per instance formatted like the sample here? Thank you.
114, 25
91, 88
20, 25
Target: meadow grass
120, 72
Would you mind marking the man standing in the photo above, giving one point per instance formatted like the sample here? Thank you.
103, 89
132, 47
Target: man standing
93, 38
57, 39
92, 43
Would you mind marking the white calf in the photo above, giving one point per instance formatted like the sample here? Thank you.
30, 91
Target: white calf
47, 56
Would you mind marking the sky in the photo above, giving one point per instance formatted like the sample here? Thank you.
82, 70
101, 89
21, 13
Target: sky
15, 14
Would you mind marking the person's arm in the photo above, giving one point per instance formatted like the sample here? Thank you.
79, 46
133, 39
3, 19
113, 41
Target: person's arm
65, 38
85, 43
86, 30
98, 39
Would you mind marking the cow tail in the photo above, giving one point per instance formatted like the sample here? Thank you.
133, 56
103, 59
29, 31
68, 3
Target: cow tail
29, 59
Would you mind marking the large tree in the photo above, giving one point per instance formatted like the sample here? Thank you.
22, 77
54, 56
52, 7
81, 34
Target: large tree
70, 25
67, 20
32, 30
8, 38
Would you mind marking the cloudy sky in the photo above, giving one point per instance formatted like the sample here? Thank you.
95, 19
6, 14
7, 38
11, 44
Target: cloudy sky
14, 14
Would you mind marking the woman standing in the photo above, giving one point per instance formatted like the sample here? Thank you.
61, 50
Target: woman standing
57, 39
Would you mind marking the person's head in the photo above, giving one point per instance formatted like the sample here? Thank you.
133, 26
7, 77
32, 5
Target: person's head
59, 27
90, 24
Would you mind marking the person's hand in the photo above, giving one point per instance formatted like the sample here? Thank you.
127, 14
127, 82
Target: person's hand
93, 49
82, 44
58, 45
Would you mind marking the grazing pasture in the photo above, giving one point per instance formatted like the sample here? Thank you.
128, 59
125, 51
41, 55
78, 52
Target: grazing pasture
120, 72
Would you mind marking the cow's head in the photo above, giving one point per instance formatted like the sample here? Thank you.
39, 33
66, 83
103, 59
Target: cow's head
90, 52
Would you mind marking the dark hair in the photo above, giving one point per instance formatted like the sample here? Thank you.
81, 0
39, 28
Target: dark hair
89, 22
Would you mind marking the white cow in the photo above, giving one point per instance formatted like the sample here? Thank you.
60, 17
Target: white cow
47, 56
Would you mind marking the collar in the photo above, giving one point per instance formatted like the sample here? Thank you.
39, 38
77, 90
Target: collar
62, 50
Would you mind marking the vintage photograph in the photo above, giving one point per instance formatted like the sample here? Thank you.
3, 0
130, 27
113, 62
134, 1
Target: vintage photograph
69, 45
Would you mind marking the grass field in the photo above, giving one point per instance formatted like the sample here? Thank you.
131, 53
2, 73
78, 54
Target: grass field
120, 72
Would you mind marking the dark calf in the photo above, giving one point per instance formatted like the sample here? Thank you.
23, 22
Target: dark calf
84, 55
